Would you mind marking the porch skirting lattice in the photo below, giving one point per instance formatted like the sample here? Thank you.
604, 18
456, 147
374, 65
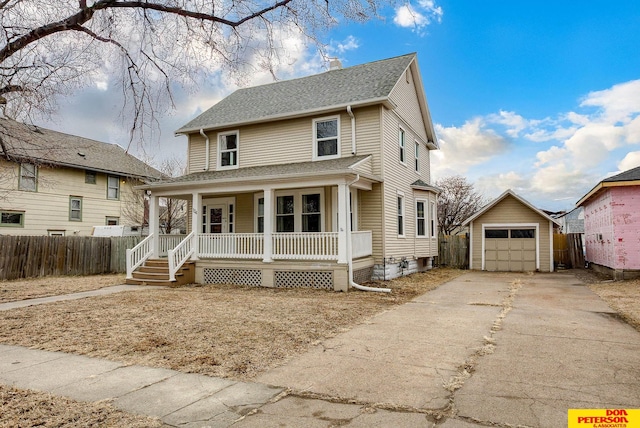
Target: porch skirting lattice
298, 279
251, 277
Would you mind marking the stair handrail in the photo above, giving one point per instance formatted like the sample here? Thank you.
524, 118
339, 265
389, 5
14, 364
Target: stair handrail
179, 255
139, 254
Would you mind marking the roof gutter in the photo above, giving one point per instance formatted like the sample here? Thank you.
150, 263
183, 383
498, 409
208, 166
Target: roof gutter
353, 130
207, 154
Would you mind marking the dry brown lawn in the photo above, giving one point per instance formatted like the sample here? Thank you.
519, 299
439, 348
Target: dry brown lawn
623, 297
25, 408
229, 331
54, 285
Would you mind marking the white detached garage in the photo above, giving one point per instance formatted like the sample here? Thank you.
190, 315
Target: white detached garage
509, 234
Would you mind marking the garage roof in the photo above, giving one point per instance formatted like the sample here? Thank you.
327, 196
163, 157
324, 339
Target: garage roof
511, 193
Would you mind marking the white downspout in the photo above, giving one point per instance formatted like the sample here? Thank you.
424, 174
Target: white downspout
206, 155
350, 255
353, 130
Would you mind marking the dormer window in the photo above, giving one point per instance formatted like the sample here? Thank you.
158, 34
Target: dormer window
228, 150
326, 138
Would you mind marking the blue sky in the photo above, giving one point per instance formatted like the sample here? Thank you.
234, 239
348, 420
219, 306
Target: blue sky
542, 97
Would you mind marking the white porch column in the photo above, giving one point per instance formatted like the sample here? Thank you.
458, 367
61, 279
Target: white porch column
154, 223
269, 210
343, 222
196, 218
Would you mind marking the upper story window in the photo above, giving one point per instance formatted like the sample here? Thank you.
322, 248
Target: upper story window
402, 145
113, 187
417, 151
28, 177
228, 144
90, 177
326, 138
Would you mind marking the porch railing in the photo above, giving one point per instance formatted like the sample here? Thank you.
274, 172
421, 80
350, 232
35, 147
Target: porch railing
138, 254
361, 244
168, 242
180, 254
305, 246
231, 245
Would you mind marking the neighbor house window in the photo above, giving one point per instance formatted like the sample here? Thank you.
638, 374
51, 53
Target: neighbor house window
417, 151
75, 208
421, 220
55, 232
401, 143
400, 215
90, 177
285, 214
12, 218
228, 150
113, 187
112, 221
28, 174
326, 138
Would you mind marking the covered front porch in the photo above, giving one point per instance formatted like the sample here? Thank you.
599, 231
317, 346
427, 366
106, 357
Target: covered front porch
288, 230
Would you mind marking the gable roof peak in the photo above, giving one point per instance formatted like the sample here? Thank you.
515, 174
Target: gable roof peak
362, 84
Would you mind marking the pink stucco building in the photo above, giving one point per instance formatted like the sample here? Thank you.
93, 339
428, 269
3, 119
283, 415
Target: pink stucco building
612, 225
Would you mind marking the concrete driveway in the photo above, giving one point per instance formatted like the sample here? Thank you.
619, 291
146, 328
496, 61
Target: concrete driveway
497, 349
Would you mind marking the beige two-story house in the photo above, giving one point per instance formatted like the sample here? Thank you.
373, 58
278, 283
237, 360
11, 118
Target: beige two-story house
58, 184
322, 181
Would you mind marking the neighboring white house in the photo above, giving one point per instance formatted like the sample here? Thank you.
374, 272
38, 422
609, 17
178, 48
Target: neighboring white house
58, 184
309, 182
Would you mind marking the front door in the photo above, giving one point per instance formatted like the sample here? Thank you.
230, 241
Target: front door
215, 218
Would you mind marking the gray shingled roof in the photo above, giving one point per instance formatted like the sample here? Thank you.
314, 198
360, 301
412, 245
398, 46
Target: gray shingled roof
341, 87
44, 146
419, 183
341, 165
630, 175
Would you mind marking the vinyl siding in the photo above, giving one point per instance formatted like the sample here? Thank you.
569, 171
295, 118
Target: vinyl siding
370, 217
289, 141
398, 177
48, 208
244, 213
404, 95
510, 210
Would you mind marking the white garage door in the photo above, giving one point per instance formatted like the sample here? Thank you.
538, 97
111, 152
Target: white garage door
510, 250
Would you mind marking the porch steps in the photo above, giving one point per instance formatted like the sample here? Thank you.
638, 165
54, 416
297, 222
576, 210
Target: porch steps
156, 272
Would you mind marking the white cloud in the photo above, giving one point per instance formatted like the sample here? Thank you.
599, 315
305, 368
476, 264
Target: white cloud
465, 146
618, 104
630, 161
418, 17
514, 122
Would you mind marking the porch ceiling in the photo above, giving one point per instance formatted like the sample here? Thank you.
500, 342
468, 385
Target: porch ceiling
267, 173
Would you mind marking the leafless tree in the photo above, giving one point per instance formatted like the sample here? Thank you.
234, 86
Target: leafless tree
53, 48
457, 202
173, 212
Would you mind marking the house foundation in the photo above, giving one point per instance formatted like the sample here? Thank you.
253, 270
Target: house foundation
615, 274
395, 269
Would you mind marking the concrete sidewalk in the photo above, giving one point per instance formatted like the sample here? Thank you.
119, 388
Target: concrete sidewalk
485, 349
179, 399
73, 296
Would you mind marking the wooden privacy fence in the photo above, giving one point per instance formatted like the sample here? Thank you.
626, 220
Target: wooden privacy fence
567, 250
33, 256
453, 251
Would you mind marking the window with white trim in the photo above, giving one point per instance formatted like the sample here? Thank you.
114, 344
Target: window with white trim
28, 177
401, 144
228, 144
434, 216
75, 208
113, 187
326, 138
417, 157
421, 219
12, 218
295, 211
400, 215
